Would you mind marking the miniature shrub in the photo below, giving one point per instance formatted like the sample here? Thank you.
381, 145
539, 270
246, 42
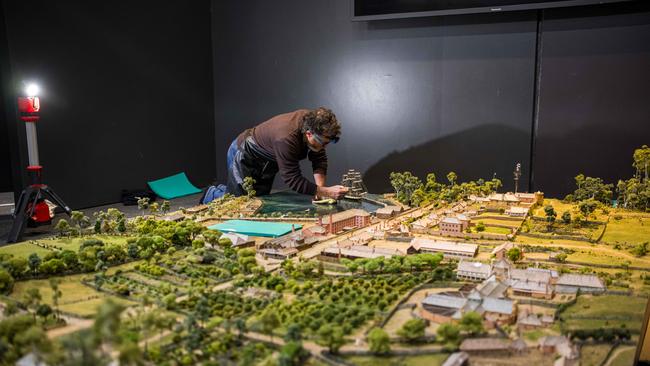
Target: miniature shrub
123, 290
91, 243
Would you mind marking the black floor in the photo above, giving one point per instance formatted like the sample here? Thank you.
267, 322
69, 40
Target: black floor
129, 211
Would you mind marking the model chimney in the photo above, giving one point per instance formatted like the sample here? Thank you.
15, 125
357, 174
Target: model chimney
331, 224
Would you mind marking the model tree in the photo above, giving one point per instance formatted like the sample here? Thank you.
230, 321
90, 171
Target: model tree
451, 177
433, 191
472, 323
331, 337
634, 194
107, 326
431, 184
16, 266
480, 226
566, 217
143, 204
44, 310
379, 341
591, 188
587, 207
32, 299
413, 330
404, 184
165, 207
62, 226
448, 333
493, 185
514, 254
20, 337
293, 354
249, 186
79, 220
640, 249
269, 321
56, 294
642, 161
550, 216
121, 226
212, 237
246, 259
154, 208
130, 354
34, 262
294, 332
6, 281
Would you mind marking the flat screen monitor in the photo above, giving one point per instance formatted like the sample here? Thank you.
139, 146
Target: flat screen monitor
392, 9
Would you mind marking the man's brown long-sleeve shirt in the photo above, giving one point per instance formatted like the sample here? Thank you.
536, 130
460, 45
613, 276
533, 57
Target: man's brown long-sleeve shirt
282, 140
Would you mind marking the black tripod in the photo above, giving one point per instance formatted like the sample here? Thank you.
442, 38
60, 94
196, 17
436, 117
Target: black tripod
29, 210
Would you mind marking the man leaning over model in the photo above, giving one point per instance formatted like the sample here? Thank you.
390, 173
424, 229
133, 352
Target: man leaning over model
278, 145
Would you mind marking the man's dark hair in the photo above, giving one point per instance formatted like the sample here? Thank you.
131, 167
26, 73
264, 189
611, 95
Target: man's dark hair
321, 121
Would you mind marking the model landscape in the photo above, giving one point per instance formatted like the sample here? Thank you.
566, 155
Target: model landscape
448, 273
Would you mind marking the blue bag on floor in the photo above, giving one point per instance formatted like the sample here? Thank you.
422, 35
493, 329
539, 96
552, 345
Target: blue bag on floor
212, 193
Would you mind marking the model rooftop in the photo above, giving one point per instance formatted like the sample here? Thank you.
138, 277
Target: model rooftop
344, 215
579, 280
443, 246
361, 251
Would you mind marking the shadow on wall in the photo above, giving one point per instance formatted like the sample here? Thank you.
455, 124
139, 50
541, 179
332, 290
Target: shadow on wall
475, 153
595, 150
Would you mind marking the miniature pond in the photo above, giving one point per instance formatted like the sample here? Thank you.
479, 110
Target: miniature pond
288, 201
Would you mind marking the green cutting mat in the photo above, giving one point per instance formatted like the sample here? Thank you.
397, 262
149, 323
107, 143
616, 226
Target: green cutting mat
173, 187
255, 228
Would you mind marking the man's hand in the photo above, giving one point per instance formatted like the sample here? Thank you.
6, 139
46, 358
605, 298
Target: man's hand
336, 192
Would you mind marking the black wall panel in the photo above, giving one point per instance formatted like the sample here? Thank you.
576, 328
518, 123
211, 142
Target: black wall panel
444, 93
127, 92
594, 102
6, 174
425, 95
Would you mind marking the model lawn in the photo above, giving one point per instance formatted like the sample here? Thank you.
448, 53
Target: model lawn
419, 360
594, 312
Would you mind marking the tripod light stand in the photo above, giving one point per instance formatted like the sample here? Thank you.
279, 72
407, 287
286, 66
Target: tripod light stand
31, 209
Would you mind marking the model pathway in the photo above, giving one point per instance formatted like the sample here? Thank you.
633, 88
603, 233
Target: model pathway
73, 324
616, 352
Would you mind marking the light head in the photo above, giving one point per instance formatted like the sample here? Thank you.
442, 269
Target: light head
29, 105
32, 90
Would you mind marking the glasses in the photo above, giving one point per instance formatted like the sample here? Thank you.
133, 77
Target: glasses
321, 140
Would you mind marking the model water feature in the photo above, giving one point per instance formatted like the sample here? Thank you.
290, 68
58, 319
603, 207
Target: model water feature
288, 202
299, 204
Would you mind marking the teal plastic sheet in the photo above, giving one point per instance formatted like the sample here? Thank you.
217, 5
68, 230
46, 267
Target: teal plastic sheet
173, 187
255, 228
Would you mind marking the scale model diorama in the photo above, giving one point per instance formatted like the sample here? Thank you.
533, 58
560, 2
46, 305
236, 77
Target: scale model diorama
435, 273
